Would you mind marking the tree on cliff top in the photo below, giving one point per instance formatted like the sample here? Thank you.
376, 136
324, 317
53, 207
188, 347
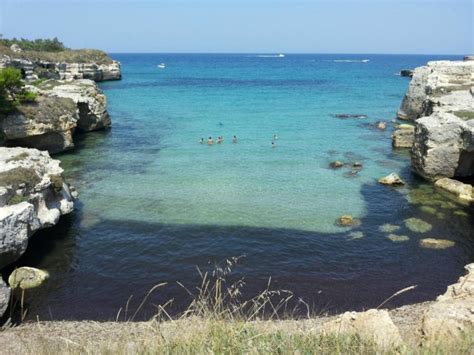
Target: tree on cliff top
12, 90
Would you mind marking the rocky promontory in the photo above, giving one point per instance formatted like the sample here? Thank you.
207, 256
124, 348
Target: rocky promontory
33, 195
64, 65
61, 108
440, 102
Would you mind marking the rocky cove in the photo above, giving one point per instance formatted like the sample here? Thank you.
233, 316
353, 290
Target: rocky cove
70, 96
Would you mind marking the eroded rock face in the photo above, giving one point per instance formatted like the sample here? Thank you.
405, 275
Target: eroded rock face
431, 83
375, 325
47, 124
4, 297
440, 100
33, 196
36, 68
452, 313
443, 146
90, 100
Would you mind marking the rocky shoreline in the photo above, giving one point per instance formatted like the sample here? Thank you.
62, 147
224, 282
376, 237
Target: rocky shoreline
439, 103
33, 193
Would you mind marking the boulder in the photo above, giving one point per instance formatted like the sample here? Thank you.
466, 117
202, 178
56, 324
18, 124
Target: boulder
33, 195
403, 136
391, 179
432, 243
406, 73
374, 325
462, 191
26, 278
47, 124
346, 220
443, 147
452, 313
417, 225
4, 297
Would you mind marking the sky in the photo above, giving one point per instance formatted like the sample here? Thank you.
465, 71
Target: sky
247, 26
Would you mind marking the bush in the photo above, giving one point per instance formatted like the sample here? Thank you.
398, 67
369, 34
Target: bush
12, 91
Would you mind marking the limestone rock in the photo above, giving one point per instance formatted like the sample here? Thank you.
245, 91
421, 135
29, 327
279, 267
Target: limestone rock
346, 220
431, 82
443, 147
432, 243
452, 313
398, 238
90, 101
381, 125
47, 124
374, 325
4, 297
417, 225
462, 191
403, 136
34, 195
27, 277
392, 179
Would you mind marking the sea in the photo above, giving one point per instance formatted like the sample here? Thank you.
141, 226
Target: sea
156, 206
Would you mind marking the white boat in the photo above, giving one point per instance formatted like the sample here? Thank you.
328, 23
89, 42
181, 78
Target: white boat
161, 66
281, 55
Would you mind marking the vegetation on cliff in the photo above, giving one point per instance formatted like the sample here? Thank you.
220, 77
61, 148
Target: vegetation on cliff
12, 90
39, 44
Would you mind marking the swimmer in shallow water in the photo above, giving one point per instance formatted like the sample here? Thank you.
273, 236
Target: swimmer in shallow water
201, 141
275, 137
220, 139
274, 145
210, 141
234, 140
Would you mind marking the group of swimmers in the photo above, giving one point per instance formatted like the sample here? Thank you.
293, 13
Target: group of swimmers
220, 140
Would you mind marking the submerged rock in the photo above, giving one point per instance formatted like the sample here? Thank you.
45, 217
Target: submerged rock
398, 238
33, 196
392, 179
388, 228
27, 277
4, 297
452, 315
355, 235
346, 220
417, 225
381, 125
433, 243
374, 325
462, 191
336, 164
349, 115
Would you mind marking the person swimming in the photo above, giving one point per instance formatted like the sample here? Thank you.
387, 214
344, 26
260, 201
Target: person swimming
274, 145
234, 139
201, 141
220, 139
210, 141
275, 137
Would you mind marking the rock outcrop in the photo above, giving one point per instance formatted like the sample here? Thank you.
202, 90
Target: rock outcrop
440, 100
61, 107
71, 64
460, 190
33, 195
453, 313
375, 325
403, 136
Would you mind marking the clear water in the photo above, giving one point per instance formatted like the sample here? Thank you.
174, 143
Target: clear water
154, 203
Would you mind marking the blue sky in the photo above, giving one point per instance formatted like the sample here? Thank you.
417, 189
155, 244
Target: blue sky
290, 26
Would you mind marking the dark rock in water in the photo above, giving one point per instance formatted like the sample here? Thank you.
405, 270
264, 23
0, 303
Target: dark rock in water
336, 164
357, 164
406, 72
349, 115
468, 58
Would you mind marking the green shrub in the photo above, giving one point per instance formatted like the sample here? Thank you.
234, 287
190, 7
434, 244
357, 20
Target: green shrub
40, 44
12, 91
27, 96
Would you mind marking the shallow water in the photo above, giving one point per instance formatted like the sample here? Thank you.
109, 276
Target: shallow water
154, 203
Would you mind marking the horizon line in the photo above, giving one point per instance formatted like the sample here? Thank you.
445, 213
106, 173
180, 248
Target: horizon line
290, 53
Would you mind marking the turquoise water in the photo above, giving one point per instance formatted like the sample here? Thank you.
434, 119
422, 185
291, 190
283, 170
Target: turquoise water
154, 203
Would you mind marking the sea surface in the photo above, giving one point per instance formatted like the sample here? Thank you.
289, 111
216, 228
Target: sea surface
155, 204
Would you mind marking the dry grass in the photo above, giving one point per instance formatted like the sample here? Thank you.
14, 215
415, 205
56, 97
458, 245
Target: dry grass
217, 321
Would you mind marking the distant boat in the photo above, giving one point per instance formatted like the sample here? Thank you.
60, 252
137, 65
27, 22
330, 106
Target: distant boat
161, 66
365, 60
281, 55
